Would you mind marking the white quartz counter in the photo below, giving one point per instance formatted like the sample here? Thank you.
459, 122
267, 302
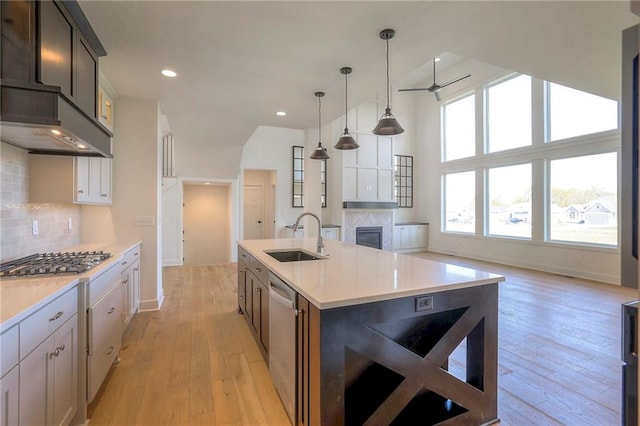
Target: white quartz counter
19, 297
353, 274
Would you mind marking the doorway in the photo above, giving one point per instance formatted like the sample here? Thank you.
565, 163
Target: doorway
258, 206
207, 224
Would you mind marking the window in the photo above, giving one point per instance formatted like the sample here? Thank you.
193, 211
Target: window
323, 183
297, 199
510, 201
575, 113
403, 182
459, 119
583, 205
460, 202
509, 114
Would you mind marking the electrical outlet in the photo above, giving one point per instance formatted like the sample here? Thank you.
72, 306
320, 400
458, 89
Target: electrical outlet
145, 221
424, 303
34, 227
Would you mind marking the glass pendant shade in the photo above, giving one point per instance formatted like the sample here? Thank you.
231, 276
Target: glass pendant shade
388, 125
346, 141
319, 153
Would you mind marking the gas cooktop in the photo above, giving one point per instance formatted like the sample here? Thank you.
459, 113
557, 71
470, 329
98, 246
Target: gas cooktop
53, 263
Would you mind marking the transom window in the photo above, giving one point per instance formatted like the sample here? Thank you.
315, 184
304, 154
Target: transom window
509, 114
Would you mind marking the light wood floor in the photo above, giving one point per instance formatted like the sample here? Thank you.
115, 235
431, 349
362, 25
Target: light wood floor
195, 361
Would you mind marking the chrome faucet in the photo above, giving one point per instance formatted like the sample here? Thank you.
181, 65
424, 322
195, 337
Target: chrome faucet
320, 246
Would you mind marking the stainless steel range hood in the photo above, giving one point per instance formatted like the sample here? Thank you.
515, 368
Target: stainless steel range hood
40, 119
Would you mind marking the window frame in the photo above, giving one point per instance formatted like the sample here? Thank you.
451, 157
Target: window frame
404, 201
296, 149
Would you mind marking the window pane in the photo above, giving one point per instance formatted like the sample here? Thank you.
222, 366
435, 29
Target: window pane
584, 199
460, 202
510, 201
509, 114
575, 113
459, 129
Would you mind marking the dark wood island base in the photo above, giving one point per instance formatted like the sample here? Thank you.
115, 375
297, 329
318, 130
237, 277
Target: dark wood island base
386, 362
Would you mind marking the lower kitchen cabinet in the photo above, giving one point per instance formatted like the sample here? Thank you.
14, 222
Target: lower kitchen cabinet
9, 389
48, 379
410, 237
130, 277
253, 297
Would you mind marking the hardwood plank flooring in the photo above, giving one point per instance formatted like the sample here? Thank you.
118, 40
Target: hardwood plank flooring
195, 361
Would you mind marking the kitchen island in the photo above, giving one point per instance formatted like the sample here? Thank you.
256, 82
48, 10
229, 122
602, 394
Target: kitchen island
375, 330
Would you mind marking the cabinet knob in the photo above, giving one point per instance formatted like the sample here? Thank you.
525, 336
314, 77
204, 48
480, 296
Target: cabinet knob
80, 191
103, 195
111, 311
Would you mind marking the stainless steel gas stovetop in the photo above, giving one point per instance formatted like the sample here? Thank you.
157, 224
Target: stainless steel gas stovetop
52, 263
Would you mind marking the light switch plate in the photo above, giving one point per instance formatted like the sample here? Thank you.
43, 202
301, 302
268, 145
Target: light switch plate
34, 227
145, 220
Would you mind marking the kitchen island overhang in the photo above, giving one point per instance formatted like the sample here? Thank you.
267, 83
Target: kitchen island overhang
380, 329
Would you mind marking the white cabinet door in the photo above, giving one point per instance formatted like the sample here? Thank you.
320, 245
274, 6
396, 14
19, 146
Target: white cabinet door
105, 181
65, 373
36, 384
397, 238
135, 289
95, 165
331, 233
422, 232
9, 404
82, 179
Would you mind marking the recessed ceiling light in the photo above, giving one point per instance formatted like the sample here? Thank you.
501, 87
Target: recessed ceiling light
281, 113
169, 73
207, 183
56, 132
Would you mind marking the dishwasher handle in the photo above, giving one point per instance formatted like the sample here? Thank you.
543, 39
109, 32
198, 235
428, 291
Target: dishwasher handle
280, 296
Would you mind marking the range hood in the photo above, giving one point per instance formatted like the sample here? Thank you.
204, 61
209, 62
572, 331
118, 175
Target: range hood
40, 119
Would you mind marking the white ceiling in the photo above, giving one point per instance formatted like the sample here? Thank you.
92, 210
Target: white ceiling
239, 62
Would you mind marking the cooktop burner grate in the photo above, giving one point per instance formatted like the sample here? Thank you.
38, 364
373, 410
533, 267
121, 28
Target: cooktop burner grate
53, 263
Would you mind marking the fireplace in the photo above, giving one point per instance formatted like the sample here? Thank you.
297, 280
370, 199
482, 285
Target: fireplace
370, 236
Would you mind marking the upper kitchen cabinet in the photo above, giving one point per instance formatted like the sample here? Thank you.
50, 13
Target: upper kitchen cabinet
63, 179
49, 78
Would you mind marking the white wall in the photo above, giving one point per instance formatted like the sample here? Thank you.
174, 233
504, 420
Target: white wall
270, 148
136, 192
172, 222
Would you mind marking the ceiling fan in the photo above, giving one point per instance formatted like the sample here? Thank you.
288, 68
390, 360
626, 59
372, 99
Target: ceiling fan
435, 87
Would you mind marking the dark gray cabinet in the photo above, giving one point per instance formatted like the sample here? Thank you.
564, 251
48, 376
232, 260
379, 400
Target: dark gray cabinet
253, 297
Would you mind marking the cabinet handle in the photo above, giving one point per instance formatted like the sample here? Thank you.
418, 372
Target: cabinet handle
258, 270
56, 316
299, 312
124, 263
111, 348
111, 311
53, 354
103, 195
80, 191
61, 347
257, 290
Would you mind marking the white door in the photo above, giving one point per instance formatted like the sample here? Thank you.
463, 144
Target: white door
253, 212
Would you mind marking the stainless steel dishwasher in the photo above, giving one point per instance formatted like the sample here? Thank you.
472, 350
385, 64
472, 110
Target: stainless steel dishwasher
282, 342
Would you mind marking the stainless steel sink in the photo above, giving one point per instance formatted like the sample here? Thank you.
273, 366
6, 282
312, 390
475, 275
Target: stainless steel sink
292, 255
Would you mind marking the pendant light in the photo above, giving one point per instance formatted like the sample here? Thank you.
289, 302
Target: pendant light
388, 125
319, 153
346, 141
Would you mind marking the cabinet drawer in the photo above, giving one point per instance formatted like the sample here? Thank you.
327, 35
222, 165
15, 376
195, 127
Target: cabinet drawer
104, 318
254, 265
99, 286
130, 257
100, 361
243, 256
8, 350
46, 320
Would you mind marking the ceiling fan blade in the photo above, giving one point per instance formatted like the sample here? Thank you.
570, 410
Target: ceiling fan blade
413, 90
437, 95
455, 80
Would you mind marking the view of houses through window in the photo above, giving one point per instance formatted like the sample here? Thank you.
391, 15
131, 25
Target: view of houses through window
574, 161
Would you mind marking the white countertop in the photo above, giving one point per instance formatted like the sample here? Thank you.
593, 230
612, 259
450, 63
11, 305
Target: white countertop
353, 274
20, 297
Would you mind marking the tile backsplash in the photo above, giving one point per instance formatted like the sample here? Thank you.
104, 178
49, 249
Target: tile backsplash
17, 214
